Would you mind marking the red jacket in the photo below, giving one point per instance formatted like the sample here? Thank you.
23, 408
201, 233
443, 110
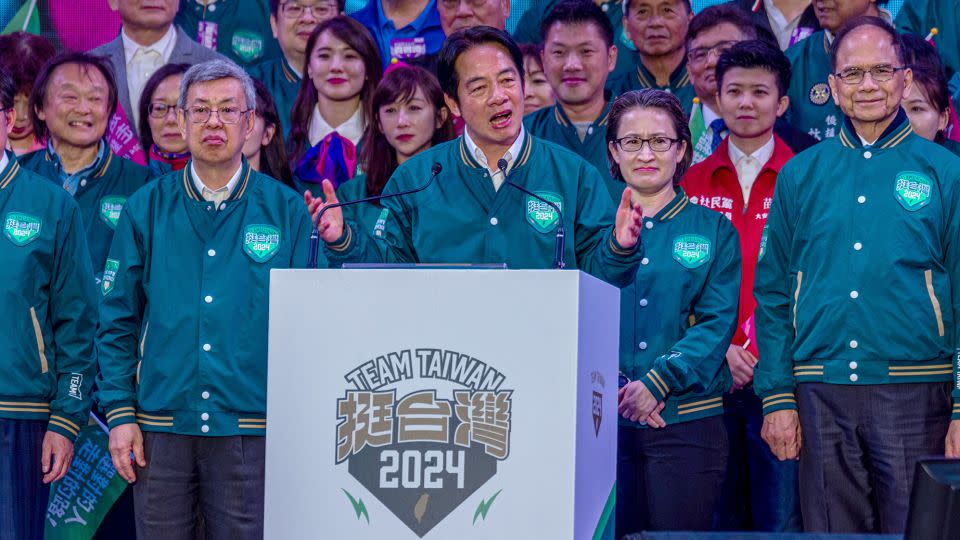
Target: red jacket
713, 183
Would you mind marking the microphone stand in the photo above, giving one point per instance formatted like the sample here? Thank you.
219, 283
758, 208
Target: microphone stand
315, 233
558, 261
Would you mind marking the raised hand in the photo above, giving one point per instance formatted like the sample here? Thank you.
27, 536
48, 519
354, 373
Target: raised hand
629, 221
331, 225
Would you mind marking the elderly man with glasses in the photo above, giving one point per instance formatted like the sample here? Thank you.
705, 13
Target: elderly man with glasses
858, 289
292, 22
182, 342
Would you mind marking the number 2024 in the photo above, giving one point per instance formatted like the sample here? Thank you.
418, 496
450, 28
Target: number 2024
414, 468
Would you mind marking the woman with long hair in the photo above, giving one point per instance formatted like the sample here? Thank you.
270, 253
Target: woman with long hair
408, 116
676, 321
927, 101
334, 105
264, 148
160, 134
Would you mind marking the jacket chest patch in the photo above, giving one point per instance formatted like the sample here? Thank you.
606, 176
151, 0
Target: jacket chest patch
763, 243
260, 242
691, 250
20, 228
542, 216
247, 45
110, 208
819, 94
109, 275
913, 190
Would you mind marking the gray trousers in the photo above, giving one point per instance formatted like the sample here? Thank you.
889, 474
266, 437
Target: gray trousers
860, 447
187, 478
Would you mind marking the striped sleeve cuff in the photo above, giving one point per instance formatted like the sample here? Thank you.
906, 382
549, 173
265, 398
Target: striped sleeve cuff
120, 414
778, 400
341, 244
64, 426
956, 411
619, 250
655, 383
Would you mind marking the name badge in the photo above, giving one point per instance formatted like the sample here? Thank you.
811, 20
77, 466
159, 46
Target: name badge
207, 34
403, 48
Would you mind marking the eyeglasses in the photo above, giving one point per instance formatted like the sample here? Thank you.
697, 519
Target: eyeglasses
881, 73
160, 110
700, 54
227, 115
320, 10
635, 144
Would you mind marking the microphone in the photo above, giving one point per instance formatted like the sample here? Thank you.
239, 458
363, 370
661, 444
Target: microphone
558, 261
315, 234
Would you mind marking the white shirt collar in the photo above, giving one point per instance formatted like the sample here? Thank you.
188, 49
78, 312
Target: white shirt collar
232, 183
762, 154
164, 45
351, 130
4, 160
512, 153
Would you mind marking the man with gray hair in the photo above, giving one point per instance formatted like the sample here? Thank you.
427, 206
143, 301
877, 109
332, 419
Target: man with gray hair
183, 321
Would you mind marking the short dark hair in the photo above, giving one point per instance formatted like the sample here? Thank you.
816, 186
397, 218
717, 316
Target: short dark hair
859, 22
8, 89
143, 108
927, 68
275, 7
462, 41
273, 157
720, 14
23, 55
86, 61
577, 12
649, 98
756, 54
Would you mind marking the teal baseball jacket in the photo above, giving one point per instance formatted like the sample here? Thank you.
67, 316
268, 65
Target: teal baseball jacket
858, 279
679, 314
552, 124
461, 219
101, 196
182, 341
640, 78
811, 105
49, 304
283, 83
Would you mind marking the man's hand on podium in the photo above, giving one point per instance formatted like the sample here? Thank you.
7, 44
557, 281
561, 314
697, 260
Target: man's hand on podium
331, 226
637, 404
629, 221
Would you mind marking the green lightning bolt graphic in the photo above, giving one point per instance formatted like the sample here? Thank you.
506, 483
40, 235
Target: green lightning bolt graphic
359, 507
484, 507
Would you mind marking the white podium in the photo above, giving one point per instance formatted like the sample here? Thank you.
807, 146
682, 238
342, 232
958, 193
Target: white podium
441, 404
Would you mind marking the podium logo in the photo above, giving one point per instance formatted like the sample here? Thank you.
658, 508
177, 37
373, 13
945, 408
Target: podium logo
598, 382
422, 430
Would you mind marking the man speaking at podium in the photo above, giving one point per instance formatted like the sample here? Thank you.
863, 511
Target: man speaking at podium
473, 210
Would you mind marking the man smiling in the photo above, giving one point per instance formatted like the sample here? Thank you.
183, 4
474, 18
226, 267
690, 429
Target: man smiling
72, 102
578, 54
858, 290
468, 214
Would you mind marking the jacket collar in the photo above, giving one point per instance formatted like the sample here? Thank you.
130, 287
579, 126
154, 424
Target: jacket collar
560, 116
99, 166
522, 158
10, 171
678, 79
191, 189
720, 159
896, 133
674, 207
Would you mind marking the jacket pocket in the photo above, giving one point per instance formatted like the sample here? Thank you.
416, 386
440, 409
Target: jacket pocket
140, 349
39, 335
928, 278
796, 299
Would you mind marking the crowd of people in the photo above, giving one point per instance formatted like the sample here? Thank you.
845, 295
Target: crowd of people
774, 185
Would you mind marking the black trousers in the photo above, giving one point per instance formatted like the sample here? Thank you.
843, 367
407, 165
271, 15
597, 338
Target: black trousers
860, 447
670, 478
218, 479
23, 495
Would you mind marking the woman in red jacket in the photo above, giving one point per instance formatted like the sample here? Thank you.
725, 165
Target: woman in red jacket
737, 180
